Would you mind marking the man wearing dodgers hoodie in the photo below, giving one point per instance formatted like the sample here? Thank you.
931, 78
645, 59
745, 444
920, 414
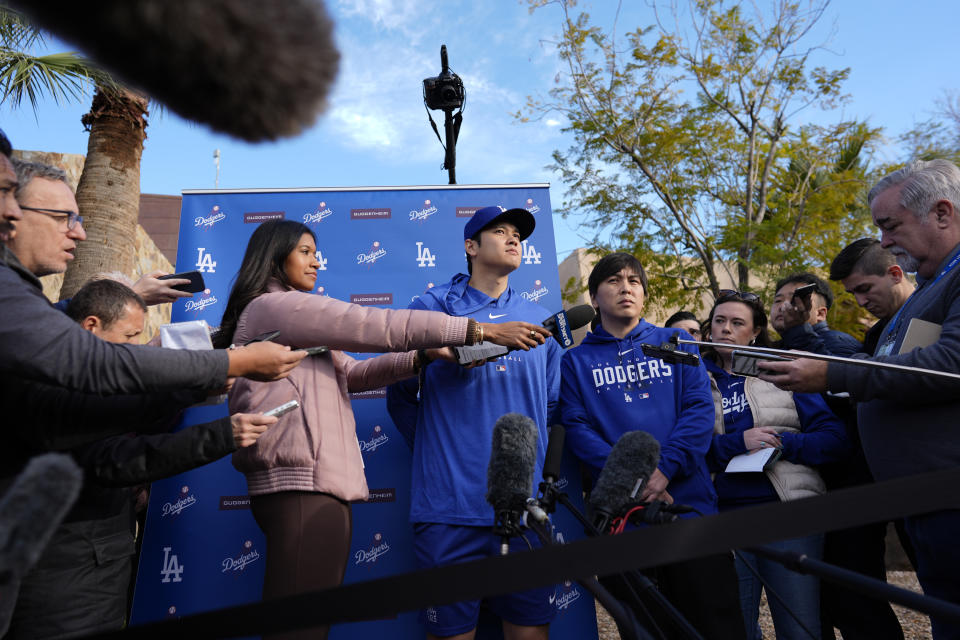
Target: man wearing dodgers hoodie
609, 387
450, 423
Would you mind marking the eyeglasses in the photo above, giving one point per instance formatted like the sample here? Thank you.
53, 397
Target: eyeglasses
745, 296
73, 217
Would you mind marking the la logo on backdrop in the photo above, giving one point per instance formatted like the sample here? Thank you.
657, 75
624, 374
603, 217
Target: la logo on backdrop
205, 261
321, 261
425, 257
201, 554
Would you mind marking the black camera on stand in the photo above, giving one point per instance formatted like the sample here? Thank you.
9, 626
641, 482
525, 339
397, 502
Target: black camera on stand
446, 93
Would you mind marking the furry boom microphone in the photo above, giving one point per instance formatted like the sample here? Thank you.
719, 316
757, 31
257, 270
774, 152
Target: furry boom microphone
631, 462
252, 69
30, 511
513, 457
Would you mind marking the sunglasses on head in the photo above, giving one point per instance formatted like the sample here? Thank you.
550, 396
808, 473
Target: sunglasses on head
745, 296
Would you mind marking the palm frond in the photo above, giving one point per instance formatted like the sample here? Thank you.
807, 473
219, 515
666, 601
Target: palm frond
16, 32
59, 75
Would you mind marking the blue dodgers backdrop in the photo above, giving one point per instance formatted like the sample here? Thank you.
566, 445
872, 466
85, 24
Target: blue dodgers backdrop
202, 549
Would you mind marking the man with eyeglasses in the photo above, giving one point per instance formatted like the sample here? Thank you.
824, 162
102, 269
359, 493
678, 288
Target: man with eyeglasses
908, 423
51, 227
41, 345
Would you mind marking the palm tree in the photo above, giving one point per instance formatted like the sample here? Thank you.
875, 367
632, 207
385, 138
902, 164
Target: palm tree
109, 190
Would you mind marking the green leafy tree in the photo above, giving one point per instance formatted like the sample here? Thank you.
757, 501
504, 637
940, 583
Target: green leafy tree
686, 147
108, 193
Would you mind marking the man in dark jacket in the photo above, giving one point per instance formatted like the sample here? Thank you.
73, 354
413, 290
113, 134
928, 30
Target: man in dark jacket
41, 346
908, 421
81, 583
801, 320
39, 343
871, 274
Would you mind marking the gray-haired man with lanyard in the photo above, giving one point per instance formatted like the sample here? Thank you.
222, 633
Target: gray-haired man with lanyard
908, 422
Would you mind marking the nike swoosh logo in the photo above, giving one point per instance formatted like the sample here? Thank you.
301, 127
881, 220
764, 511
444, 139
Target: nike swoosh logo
494, 317
627, 351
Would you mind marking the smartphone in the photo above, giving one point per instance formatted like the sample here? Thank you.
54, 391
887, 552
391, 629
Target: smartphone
195, 285
745, 363
805, 291
286, 407
263, 337
314, 351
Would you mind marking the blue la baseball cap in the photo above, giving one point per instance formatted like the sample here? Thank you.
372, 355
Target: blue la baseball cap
522, 219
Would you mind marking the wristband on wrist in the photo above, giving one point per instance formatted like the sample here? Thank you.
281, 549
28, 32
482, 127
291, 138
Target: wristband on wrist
423, 359
473, 328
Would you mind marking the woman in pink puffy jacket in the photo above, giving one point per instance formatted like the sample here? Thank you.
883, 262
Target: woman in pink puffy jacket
304, 471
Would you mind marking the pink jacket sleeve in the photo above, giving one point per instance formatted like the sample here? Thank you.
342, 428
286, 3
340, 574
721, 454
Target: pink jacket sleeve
374, 373
307, 320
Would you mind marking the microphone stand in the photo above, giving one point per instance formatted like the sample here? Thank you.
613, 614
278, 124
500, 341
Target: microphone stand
866, 585
633, 579
793, 355
507, 525
626, 625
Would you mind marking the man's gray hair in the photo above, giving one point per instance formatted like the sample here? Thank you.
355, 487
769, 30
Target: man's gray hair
925, 182
27, 171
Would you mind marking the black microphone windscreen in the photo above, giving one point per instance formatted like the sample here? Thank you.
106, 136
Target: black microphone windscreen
252, 69
634, 456
551, 463
580, 315
32, 509
512, 461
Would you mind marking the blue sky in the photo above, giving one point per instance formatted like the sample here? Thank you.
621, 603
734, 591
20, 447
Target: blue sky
901, 55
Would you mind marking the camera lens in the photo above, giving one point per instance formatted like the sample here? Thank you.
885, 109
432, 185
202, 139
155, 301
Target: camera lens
448, 94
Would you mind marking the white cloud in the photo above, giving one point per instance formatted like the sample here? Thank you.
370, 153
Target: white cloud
405, 16
364, 130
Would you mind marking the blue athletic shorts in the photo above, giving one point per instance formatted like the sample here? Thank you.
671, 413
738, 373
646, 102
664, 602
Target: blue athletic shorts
438, 545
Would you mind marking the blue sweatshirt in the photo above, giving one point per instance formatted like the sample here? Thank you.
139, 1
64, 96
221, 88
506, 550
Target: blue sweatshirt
451, 423
609, 387
822, 438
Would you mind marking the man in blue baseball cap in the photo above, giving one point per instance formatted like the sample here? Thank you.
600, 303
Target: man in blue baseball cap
450, 424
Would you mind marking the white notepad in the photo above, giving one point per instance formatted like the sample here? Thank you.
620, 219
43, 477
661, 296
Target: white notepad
757, 460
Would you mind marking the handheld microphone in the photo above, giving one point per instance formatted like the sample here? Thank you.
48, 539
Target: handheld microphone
561, 325
251, 69
551, 463
546, 501
31, 510
513, 458
631, 461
